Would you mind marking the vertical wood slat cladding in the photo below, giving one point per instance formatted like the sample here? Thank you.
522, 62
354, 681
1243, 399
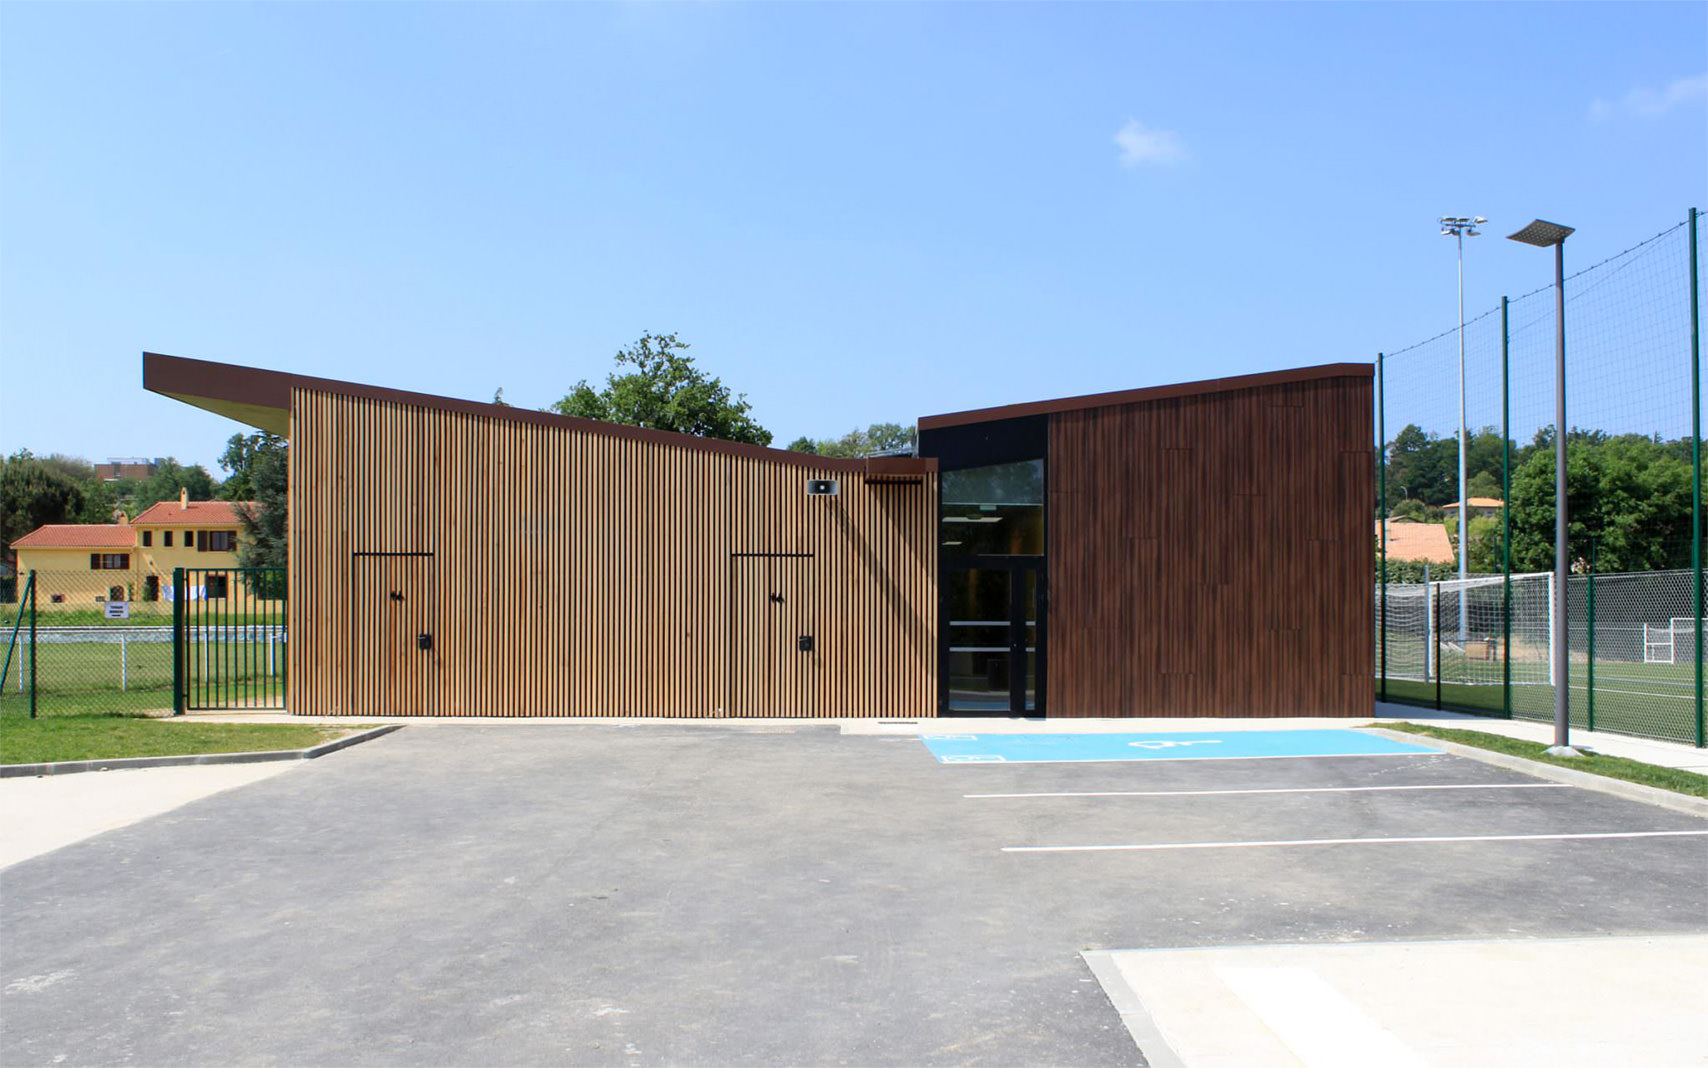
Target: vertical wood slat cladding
1211, 555
580, 573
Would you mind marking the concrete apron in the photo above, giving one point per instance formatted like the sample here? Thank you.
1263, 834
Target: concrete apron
1542, 1002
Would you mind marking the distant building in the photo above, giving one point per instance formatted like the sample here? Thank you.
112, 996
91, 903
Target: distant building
126, 467
1479, 505
85, 565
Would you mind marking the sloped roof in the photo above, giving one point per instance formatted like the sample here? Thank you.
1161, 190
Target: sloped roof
198, 514
78, 536
1421, 542
1149, 393
262, 399
1477, 502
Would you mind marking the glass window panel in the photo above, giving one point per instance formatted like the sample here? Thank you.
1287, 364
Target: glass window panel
997, 510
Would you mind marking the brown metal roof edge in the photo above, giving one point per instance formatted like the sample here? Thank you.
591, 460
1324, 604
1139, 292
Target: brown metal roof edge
1149, 393
180, 376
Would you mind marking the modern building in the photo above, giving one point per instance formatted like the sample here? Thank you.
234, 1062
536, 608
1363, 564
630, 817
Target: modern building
88, 565
1191, 550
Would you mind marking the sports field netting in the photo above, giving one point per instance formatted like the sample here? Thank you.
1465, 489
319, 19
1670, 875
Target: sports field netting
1466, 622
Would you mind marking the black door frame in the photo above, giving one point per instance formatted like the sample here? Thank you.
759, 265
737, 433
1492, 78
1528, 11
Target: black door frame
1017, 623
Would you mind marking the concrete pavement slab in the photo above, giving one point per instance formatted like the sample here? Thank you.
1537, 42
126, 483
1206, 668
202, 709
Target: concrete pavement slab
1547, 1003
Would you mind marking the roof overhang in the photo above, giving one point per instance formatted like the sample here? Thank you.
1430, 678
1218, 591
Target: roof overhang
1150, 393
262, 399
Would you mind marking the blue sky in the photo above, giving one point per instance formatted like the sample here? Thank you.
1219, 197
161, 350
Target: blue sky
854, 212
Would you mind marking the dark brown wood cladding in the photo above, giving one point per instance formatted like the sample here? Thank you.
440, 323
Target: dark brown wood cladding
569, 571
1210, 555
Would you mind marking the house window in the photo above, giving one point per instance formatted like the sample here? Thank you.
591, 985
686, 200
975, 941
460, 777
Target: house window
216, 586
220, 541
109, 561
115, 593
147, 539
151, 588
166, 539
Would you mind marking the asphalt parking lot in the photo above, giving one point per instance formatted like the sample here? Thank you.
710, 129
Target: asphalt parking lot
642, 894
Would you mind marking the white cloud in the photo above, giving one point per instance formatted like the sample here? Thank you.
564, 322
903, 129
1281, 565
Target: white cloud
1140, 144
1645, 103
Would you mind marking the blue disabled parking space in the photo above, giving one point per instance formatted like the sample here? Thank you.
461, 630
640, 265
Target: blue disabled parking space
1044, 748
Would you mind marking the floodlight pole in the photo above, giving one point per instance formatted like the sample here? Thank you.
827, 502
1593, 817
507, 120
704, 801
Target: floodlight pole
1459, 227
1543, 234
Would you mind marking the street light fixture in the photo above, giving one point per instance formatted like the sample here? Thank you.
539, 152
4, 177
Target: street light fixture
1459, 227
1544, 234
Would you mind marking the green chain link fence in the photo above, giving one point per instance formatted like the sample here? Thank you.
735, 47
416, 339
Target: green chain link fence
80, 642
1481, 640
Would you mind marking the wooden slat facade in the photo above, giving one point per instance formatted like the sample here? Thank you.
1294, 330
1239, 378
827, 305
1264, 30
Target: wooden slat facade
568, 571
1210, 554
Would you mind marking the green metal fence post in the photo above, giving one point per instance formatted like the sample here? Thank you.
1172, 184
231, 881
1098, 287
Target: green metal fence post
1506, 520
178, 643
1382, 507
32, 643
1591, 613
1696, 472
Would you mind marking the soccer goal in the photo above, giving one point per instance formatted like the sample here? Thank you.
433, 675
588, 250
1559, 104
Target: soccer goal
1666, 645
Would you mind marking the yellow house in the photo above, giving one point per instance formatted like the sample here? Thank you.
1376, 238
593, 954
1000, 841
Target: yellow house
78, 565
87, 566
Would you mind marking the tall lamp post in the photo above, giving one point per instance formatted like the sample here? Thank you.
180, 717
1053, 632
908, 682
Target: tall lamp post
1460, 227
1543, 235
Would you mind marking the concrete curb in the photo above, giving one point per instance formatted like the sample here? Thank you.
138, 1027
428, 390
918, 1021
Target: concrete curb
1136, 1018
1630, 791
72, 767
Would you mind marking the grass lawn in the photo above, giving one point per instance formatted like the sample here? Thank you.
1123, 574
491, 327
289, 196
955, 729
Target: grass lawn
99, 736
106, 676
1651, 700
1684, 782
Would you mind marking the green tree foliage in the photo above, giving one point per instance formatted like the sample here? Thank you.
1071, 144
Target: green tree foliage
243, 452
665, 391
1485, 556
169, 477
259, 466
1630, 492
879, 437
1425, 467
34, 492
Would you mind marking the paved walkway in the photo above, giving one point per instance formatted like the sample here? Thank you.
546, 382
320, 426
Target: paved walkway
39, 815
1663, 754
1547, 1003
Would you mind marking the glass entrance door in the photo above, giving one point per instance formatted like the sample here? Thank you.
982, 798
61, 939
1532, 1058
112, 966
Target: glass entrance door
993, 624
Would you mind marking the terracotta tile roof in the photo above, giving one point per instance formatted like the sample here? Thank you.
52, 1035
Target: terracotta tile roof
198, 514
1476, 502
78, 536
1423, 542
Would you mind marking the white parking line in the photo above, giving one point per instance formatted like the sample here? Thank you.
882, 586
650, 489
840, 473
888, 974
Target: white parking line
1287, 790
1350, 841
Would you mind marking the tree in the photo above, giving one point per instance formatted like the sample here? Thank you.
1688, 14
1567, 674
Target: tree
32, 493
1425, 467
879, 437
665, 391
242, 453
1631, 492
168, 479
261, 463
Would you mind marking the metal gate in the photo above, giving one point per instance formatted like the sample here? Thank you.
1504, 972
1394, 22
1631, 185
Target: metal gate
228, 639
